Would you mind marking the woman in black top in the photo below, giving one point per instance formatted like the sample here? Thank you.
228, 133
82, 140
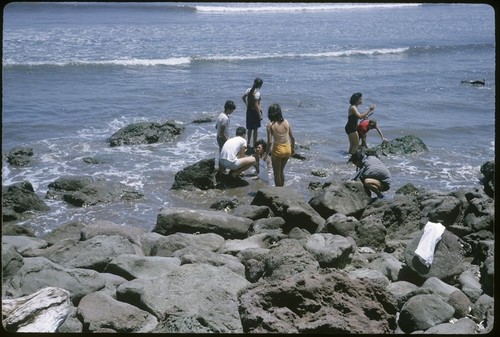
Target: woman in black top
353, 115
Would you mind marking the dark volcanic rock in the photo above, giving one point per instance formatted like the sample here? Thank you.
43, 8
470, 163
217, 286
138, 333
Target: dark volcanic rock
146, 133
20, 156
200, 175
87, 191
20, 198
408, 144
324, 301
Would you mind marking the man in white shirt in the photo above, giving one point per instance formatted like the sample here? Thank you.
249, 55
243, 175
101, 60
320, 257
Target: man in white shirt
232, 154
222, 124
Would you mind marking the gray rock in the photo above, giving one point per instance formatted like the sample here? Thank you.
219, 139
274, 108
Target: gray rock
422, 312
252, 212
461, 303
470, 284
289, 205
263, 240
488, 171
341, 224
444, 209
287, 258
70, 230
388, 265
345, 197
254, 260
196, 255
370, 232
463, 326
38, 273
11, 261
102, 227
131, 266
439, 287
98, 310
23, 244
146, 133
173, 220
160, 245
400, 291
87, 191
202, 292
273, 225
331, 250
373, 276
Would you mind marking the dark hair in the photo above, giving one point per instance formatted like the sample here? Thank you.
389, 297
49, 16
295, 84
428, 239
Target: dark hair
261, 142
240, 131
229, 105
257, 83
356, 157
355, 97
274, 113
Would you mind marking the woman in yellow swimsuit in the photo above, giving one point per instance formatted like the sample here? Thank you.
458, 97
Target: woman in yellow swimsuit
280, 136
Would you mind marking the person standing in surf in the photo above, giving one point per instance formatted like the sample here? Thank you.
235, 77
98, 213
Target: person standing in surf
254, 112
353, 115
280, 136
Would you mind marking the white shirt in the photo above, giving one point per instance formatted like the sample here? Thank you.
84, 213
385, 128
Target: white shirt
256, 93
232, 148
222, 120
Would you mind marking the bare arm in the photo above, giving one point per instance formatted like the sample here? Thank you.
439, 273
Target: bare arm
292, 139
380, 133
269, 140
354, 110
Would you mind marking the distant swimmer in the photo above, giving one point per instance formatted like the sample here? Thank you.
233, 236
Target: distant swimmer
475, 82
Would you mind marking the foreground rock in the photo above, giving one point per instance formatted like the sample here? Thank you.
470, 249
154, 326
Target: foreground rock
327, 301
146, 133
274, 266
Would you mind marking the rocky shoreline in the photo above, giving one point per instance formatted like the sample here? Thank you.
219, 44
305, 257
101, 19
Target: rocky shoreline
337, 263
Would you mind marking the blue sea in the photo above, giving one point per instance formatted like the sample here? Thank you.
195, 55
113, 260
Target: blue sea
75, 73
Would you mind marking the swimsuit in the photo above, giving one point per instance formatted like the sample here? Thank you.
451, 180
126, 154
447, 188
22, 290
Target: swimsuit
253, 116
352, 122
363, 127
281, 145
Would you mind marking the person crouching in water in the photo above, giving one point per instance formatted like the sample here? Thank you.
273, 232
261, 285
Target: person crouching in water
373, 174
280, 136
232, 154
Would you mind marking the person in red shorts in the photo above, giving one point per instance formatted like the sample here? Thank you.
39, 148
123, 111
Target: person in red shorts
366, 125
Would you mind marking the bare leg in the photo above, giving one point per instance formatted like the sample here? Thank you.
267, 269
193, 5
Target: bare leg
246, 163
278, 170
373, 185
254, 138
353, 142
249, 137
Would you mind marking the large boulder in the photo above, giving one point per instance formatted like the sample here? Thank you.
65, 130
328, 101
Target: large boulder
448, 257
155, 244
184, 220
325, 301
20, 198
20, 156
408, 144
87, 191
289, 205
331, 250
38, 273
146, 133
345, 197
422, 312
98, 311
200, 175
195, 294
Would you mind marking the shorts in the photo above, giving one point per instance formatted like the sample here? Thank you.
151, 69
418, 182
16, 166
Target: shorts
282, 151
220, 142
232, 165
253, 120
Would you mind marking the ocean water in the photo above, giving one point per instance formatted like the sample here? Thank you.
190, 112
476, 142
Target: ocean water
75, 73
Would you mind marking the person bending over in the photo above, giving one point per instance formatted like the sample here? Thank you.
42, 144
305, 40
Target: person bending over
232, 154
373, 174
366, 125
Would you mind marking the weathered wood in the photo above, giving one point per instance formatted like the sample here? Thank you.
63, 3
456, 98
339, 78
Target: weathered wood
43, 311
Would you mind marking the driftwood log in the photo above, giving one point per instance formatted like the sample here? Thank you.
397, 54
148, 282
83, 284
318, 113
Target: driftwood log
43, 311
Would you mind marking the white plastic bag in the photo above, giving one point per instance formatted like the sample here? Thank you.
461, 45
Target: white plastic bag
431, 236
